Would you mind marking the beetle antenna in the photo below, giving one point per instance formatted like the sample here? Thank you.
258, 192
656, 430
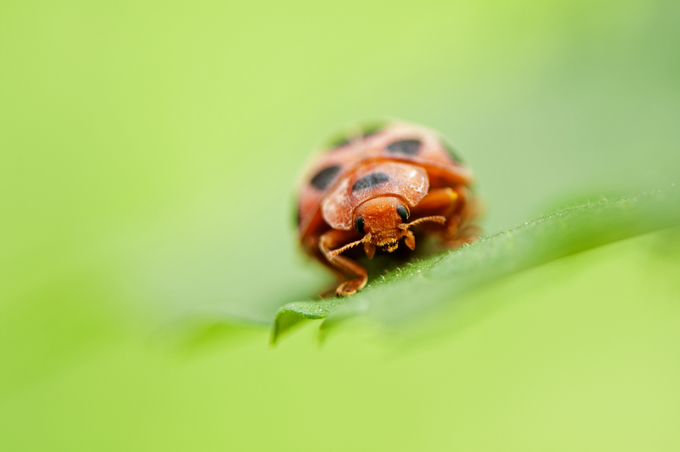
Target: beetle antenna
435, 218
334, 253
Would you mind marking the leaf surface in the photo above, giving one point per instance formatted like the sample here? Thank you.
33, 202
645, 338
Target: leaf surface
419, 288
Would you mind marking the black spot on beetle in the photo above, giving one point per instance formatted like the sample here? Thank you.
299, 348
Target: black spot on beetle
370, 180
406, 147
323, 179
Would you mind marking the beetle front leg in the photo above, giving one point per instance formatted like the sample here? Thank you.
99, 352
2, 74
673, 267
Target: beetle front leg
439, 201
458, 206
443, 201
332, 240
459, 231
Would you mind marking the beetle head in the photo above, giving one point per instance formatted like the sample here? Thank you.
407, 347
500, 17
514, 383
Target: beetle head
379, 218
383, 221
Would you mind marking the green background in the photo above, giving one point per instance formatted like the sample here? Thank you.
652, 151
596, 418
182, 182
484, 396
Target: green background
149, 154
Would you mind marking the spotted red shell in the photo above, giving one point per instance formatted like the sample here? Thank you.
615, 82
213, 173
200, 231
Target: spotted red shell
410, 182
395, 158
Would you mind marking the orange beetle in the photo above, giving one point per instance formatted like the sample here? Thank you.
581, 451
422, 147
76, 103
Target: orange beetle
372, 186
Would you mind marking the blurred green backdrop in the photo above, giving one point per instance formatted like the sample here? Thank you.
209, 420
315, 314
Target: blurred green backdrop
149, 153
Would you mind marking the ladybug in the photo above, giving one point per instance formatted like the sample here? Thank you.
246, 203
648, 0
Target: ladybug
373, 186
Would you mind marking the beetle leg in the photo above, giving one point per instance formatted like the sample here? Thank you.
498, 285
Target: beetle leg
458, 230
444, 201
331, 240
458, 206
439, 201
470, 208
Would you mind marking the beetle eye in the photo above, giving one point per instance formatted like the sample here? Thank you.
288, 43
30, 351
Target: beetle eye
403, 212
359, 224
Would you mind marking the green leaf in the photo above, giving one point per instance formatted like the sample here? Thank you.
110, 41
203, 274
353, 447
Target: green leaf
293, 313
419, 288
